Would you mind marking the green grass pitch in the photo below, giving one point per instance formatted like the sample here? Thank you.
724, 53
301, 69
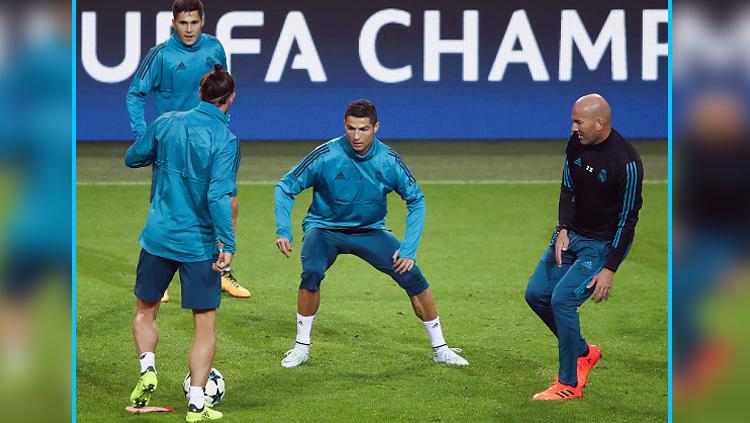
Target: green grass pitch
371, 359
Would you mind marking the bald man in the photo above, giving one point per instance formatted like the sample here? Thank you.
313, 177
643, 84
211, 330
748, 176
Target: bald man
600, 197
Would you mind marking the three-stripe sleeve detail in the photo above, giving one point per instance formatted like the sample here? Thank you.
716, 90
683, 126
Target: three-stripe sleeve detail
567, 180
403, 166
238, 157
146, 64
628, 201
307, 161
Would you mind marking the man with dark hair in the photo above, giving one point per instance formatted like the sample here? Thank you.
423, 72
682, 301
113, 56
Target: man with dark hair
172, 70
600, 197
350, 177
190, 210
180, 6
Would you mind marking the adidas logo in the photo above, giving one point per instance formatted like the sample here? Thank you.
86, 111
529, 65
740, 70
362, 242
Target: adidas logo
435, 325
587, 264
300, 323
578, 162
181, 67
340, 176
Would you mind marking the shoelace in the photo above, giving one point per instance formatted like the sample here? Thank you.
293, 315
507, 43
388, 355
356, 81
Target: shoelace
554, 382
455, 350
232, 279
291, 351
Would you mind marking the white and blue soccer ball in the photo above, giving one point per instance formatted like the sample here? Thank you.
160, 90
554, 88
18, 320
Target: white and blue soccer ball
215, 387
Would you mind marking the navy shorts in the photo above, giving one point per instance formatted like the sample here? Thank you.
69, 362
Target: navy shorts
320, 247
22, 282
199, 283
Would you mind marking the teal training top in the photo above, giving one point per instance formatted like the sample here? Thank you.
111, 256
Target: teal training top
195, 159
173, 72
349, 191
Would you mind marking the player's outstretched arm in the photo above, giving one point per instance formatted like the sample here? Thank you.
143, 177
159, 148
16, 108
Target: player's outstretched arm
284, 245
146, 78
402, 265
406, 186
602, 283
561, 244
302, 176
235, 211
630, 182
567, 207
223, 261
143, 151
220, 188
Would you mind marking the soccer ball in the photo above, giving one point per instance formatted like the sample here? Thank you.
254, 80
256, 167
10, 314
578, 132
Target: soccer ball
214, 390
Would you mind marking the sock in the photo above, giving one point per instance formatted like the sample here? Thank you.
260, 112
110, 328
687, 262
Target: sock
585, 353
304, 325
147, 359
228, 269
435, 331
196, 397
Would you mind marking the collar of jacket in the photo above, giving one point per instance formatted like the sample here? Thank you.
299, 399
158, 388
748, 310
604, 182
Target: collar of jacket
605, 142
344, 141
179, 44
214, 111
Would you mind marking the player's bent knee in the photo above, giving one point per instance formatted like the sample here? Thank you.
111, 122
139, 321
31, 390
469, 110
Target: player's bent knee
562, 302
531, 298
534, 296
412, 282
311, 279
416, 290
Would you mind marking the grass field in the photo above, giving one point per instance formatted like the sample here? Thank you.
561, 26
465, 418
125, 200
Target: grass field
490, 211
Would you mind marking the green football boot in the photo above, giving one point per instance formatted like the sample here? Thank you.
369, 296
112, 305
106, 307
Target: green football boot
146, 386
207, 413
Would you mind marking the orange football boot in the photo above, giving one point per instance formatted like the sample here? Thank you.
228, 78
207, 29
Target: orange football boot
586, 363
559, 391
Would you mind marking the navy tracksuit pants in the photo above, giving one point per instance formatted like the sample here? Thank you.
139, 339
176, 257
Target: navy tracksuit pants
555, 293
320, 247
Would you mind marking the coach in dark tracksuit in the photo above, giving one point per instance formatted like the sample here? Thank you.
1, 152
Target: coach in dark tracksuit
600, 197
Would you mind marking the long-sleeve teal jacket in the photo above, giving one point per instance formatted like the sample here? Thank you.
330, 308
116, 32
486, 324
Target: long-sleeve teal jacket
349, 191
195, 159
172, 71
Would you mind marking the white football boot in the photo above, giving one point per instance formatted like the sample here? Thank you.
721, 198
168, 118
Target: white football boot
448, 356
296, 355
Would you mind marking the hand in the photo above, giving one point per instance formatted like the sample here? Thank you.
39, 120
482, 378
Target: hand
561, 245
401, 264
603, 282
284, 245
222, 262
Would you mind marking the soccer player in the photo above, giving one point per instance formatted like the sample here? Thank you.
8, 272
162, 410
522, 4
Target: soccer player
350, 177
195, 159
600, 197
172, 70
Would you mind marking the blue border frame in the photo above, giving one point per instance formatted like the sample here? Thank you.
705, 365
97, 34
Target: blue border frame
73, 32
670, 141
74, 47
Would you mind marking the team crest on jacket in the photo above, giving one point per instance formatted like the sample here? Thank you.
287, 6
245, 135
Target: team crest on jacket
603, 175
